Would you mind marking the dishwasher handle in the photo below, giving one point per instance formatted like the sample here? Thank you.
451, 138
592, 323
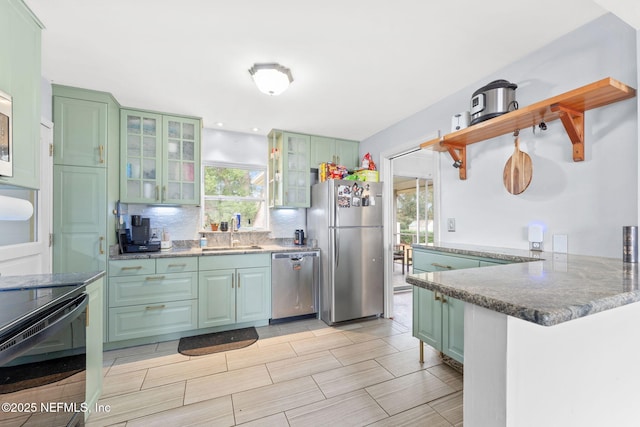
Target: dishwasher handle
294, 256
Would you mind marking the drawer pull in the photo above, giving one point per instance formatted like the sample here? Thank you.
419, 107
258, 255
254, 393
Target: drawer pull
177, 265
155, 307
154, 278
448, 267
137, 267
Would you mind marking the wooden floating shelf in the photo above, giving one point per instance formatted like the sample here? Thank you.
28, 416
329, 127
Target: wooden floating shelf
569, 107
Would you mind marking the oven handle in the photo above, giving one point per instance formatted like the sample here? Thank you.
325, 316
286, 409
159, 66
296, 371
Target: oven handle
44, 328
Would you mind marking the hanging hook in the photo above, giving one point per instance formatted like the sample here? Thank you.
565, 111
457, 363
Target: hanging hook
516, 132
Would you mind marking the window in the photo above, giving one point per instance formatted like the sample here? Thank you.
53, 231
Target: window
231, 189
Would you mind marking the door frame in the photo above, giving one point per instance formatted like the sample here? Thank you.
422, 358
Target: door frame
386, 176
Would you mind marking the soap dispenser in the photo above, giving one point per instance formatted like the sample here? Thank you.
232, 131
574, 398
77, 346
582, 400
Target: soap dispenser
203, 241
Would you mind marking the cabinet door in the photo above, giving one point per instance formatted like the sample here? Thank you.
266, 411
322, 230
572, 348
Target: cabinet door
427, 317
20, 77
140, 157
453, 328
275, 169
80, 132
322, 150
347, 153
253, 294
94, 339
181, 167
79, 219
296, 177
217, 298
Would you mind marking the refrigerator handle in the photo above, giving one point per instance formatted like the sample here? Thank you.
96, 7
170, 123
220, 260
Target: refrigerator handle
336, 246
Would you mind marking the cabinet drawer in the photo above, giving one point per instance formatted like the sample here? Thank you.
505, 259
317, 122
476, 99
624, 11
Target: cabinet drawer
176, 265
234, 261
151, 289
427, 261
140, 321
132, 267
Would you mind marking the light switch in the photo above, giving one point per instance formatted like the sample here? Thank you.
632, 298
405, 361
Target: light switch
560, 244
451, 224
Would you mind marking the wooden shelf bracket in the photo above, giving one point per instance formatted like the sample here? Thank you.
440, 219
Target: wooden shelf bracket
459, 156
573, 122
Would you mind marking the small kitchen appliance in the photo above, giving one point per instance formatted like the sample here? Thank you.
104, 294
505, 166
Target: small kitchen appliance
138, 238
493, 100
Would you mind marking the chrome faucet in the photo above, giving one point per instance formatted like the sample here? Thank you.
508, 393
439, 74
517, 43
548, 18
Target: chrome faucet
232, 242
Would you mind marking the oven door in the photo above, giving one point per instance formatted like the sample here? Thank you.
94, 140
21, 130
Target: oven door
42, 368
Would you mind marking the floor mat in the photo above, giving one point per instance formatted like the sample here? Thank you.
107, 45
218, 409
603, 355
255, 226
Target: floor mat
217, 342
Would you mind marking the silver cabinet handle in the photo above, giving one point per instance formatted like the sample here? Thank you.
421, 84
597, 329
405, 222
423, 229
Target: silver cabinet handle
448, 267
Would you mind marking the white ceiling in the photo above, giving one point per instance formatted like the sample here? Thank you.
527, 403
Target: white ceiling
359, 66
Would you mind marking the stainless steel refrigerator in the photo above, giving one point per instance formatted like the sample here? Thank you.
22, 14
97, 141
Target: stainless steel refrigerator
346, 219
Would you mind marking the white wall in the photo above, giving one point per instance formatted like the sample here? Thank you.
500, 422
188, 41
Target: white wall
589, 201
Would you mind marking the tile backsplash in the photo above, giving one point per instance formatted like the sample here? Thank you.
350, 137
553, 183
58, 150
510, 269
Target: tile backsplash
185, 222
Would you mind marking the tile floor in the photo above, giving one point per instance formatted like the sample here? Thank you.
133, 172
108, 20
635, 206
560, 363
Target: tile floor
297, 374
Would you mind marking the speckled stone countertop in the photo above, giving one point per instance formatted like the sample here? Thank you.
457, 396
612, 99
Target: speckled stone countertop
33, 281
544, 288
212, 251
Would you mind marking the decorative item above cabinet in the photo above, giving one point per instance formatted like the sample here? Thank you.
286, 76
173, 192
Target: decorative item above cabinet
569, 107
160, 158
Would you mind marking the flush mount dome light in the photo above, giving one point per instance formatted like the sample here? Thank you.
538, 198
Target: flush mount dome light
272, 79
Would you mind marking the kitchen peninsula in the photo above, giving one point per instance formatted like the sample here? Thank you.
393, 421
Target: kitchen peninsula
546, 342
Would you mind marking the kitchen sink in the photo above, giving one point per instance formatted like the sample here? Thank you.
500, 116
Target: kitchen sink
229, 248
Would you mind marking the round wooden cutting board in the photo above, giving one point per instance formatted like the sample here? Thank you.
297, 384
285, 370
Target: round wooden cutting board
518, 171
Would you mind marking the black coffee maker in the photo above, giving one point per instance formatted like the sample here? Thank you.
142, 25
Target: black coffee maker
138, 238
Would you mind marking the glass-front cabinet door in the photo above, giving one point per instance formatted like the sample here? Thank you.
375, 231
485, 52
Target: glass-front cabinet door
142, 157
160, 158
296, 162
181, 179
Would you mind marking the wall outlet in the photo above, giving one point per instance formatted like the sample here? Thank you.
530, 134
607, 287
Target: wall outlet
451, 224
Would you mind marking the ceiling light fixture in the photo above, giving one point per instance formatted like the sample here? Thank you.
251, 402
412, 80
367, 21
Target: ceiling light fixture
272, 79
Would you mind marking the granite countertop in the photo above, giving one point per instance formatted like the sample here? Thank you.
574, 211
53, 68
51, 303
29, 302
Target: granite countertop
24, 297
541, 287
34, 281
182, 251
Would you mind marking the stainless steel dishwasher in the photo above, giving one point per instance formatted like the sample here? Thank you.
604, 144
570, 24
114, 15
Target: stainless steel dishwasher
294, 284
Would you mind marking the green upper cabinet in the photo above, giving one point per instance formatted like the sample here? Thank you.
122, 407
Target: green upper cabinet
339, 151
289, 176
20, 78
160, 158
80, 132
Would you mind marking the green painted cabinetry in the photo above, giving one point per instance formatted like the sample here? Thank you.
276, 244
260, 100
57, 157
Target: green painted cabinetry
20, 77
94, 340
339, 151
234, 289
85, 178
289, 176
146, 298
160, 158
438, 319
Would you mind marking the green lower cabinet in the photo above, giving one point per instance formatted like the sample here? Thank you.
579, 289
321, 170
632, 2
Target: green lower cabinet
453, 328
139, 321
234, 296
94, 339
438, 320
253, 300
217, 298
143, 304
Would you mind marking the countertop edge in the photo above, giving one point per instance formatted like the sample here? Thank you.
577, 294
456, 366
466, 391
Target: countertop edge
198, 252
